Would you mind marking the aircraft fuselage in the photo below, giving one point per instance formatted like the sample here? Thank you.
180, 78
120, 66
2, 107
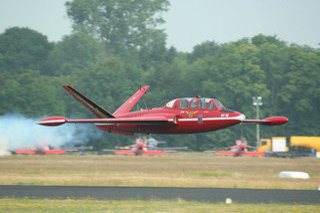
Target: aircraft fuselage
187, 121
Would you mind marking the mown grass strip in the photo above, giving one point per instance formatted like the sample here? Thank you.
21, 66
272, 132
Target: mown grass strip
89, 205
209, 174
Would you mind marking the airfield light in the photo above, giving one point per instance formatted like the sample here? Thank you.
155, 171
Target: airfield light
257, 101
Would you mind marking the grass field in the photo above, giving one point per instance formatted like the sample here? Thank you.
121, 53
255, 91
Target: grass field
183, 169
84, 205
180, 170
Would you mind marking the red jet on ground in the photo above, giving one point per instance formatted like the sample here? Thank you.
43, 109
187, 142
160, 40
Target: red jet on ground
240, 148
144, 146
45, 150
179, 116
139, 148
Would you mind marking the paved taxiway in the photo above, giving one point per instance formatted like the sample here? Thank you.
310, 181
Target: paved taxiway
148, 193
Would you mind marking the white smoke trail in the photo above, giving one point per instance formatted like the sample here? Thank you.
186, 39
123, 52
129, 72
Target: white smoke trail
22, 132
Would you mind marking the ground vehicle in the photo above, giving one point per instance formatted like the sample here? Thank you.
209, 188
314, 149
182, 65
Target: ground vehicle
276, 146
306, 141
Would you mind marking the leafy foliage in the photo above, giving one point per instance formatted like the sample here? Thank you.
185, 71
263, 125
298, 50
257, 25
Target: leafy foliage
122, 25
32, 71
76, 51
23, 48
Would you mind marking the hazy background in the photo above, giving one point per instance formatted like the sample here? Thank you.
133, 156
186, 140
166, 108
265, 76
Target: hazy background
249, 54
189, 22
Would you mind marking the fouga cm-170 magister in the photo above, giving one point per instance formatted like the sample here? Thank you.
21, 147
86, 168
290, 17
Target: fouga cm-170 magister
179, 116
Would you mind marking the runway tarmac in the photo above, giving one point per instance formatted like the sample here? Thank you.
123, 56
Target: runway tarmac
148, 193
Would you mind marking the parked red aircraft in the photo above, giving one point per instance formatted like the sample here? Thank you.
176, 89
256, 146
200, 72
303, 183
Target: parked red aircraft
41, 151
140, 147
144, 146
179, 116
46, 150
240, 148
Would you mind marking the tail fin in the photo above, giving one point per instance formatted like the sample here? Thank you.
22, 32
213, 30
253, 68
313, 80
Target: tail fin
127, 106
99, 111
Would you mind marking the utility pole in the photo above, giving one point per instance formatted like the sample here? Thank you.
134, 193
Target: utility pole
257, 101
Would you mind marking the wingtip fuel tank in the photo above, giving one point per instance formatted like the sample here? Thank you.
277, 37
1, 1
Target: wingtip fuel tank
276, 120
52, 121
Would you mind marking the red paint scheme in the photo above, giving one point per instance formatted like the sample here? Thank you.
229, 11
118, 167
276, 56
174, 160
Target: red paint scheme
144, 146
40, 151
55, 151
270, 121
143, 152
25, 151
53, 121
237, 154
197, 116
240, 148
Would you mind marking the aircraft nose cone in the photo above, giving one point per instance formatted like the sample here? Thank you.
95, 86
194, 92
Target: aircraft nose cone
242, 117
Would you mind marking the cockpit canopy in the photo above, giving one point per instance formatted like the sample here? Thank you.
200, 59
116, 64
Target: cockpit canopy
195, 103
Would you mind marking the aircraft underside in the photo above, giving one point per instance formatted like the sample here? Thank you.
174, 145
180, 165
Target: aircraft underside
183, 127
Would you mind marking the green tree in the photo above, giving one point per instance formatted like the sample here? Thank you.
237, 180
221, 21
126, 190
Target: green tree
202, 50
263, 39
75, 51
300, 92
273, 60
122, 25
287, 77
155, 51
31, 94
23, 48
105, 82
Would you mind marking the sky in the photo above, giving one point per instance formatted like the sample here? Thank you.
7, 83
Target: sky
189, 22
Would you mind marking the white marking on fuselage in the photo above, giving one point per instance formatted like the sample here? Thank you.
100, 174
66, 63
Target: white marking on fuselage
104, 124
51, 121
239, 118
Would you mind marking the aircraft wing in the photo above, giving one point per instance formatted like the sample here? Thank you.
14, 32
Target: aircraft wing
153, 152
25, 151
127, 106
225, 153
254, 153
124, 152
152, 120
168, 148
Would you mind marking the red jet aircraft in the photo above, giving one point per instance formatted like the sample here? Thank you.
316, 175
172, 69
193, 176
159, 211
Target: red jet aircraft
144, 146
239, 149
179, 116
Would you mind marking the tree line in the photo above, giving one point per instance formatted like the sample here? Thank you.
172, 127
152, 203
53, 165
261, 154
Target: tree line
116, 46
